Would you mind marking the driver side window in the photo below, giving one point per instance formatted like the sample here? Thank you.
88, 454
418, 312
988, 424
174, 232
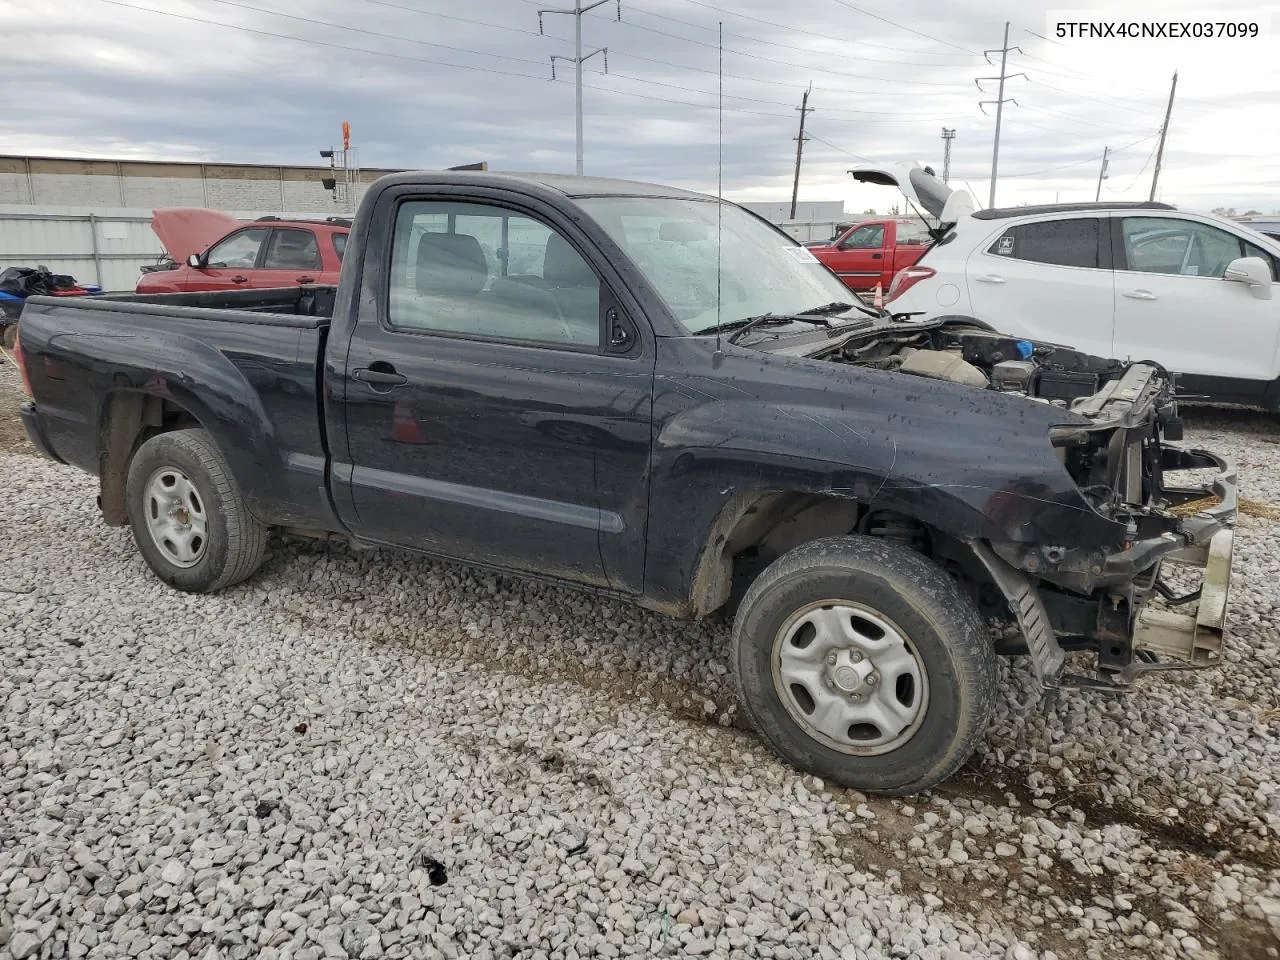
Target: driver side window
870, 237
480, 270
1181, 247
238, 250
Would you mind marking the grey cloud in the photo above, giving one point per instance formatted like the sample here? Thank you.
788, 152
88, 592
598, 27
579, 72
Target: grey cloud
98, 74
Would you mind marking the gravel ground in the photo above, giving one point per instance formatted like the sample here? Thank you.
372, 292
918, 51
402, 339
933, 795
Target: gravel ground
367, 754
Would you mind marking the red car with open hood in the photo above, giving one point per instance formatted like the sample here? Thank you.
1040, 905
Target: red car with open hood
212, 250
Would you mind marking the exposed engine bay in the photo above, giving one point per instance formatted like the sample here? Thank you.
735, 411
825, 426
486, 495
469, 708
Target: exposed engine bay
981, 358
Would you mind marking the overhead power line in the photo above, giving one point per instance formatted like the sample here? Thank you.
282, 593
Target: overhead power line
1077, 163
462, 66
892, 23
835, 38
807, 67
789, 27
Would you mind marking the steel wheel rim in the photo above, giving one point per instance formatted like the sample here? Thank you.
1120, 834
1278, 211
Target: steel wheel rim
176, 517
850, 677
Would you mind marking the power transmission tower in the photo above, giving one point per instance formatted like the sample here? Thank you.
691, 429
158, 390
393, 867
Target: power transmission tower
1164, 131
1102, 174
577, 12
805, 110
948, 134
999, 101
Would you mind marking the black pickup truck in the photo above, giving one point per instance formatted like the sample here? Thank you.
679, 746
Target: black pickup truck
653, 395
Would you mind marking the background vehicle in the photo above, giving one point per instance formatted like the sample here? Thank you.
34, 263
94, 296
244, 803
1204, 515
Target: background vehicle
1267, 225
872, 251
1146, 281
574, 379
214, 251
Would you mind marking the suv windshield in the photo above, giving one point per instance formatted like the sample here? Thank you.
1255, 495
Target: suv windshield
673, 243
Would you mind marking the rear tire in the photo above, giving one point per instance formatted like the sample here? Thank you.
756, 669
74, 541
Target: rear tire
862, 662
188, 518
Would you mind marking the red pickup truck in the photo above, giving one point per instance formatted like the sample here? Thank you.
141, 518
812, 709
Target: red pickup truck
872, 251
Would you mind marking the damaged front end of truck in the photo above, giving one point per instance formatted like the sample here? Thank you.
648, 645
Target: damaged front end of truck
1134, 563
1130, 602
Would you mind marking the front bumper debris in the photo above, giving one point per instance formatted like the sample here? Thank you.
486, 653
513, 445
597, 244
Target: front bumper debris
1194, 641
1113, 615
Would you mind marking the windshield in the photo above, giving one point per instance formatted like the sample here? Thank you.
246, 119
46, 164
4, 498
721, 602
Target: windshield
673, 243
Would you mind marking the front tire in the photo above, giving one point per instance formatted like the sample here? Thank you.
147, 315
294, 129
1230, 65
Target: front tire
188, 518
862, 662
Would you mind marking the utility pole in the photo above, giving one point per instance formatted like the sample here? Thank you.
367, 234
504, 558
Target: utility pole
948, 134
999, 101
1102, 174
577, 12
1164, 132
805, 110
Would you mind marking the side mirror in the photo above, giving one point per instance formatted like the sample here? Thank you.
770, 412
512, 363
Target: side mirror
1251, 270
194, 261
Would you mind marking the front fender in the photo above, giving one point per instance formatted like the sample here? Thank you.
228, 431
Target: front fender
961, 468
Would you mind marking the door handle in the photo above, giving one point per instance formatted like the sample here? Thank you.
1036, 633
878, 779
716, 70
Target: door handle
1140, 295
990, 278
385, 376
877, 256
239, 279
306, 279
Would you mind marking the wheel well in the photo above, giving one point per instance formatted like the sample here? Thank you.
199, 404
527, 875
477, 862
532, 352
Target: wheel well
754, 531
128, 421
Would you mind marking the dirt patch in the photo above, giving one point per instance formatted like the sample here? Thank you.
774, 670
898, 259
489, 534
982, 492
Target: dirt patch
13, 438
978, 778
1246, 939
1256, 508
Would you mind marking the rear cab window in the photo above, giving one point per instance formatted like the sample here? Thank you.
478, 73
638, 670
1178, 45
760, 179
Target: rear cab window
1067, 242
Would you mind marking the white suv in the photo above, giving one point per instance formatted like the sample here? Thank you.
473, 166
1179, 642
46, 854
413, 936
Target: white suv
1132, 281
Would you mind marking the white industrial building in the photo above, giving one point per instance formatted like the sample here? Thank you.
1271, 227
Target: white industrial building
69, 182
92, 218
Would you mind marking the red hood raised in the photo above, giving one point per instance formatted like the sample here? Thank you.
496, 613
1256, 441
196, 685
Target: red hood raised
188, 230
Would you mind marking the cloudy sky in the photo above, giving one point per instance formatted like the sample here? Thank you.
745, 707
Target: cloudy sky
429, 83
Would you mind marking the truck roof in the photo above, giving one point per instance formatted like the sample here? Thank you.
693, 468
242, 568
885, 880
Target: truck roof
569, 186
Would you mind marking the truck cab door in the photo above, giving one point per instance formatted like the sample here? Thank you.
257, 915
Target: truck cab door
859, 258
497, 399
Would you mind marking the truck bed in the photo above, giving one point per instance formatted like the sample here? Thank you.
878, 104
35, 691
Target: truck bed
245, 363
310, 301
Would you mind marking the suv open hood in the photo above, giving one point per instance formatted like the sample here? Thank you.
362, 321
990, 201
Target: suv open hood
188, 230
923, 189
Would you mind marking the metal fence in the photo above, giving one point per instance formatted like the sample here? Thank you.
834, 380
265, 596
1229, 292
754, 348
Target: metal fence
108, 249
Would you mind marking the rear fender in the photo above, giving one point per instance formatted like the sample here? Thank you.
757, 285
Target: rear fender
194, 378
